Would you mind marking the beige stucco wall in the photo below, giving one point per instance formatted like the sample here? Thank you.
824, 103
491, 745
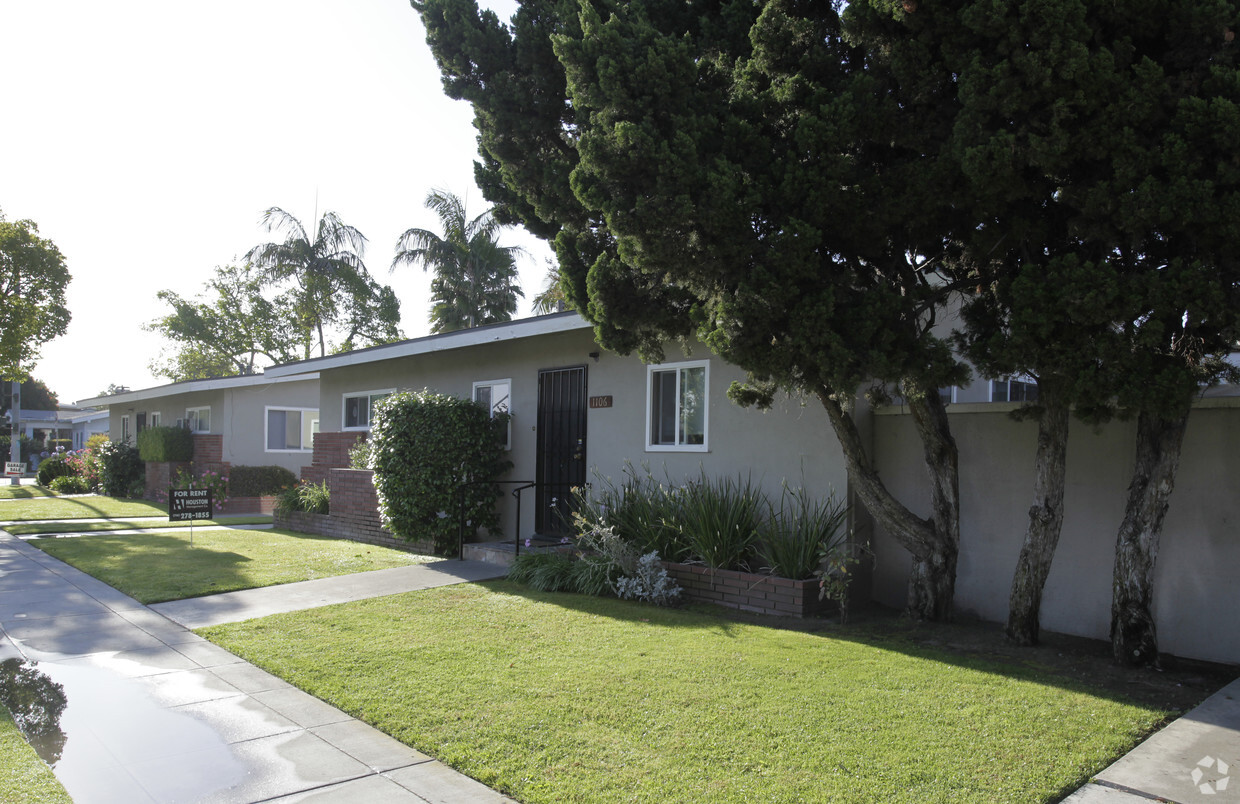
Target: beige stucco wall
790, 441
1199, 564
239, 414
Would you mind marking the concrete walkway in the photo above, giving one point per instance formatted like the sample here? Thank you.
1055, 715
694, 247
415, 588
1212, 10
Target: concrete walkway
157, 714
231, 607
1194, 759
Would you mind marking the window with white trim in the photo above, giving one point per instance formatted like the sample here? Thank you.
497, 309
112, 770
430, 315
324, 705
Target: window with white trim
290, 429
358, 408
677, 406
156, 418
495, 396
1014, 389
125, 427
198, 420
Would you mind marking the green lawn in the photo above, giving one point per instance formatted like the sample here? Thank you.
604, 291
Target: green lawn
9, 492
90, 506
564, 698
154, 567
26, 779
69, 526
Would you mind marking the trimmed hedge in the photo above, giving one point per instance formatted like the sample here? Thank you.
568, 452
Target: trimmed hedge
165, 444
258, 481
430, 453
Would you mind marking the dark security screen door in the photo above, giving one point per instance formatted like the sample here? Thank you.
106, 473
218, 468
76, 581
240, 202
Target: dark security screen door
561, 444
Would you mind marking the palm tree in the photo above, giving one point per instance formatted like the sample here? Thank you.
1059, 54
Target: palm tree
474, 281
552, 299
325, 270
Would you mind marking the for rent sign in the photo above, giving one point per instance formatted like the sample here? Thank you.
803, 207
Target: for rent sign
187, 505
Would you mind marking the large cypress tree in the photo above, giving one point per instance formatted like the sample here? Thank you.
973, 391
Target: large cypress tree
701, 171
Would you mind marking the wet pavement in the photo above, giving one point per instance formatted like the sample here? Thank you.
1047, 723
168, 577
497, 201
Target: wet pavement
129, 706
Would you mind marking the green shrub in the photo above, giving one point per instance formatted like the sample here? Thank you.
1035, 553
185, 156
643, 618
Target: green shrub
258, 481
166, 444
802, 532
433, 454
121, 471
25, 445
546, 572
310, 498
52, 467
720, 520
96, 441
70, 484
359, 454
642, 510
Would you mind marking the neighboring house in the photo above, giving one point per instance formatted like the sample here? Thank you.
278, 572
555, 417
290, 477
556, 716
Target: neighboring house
258, 420
84, 423
579, 413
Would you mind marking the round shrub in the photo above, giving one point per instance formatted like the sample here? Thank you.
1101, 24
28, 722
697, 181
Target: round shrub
70, 484
431, 453
52, 467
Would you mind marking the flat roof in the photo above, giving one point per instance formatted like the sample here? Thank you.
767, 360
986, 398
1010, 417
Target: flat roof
441, 342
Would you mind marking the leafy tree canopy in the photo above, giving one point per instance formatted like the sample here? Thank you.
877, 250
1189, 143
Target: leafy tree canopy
35, 395
234, 329
33, 278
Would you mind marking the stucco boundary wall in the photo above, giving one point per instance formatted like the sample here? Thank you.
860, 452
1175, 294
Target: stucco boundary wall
354, 514
1197, 577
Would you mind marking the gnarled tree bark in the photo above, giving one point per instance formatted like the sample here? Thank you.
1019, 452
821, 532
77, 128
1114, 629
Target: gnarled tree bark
934, 542
1045, 520
1134, 639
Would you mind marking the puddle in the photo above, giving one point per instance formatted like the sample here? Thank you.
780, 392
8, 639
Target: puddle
88, 722
36, 704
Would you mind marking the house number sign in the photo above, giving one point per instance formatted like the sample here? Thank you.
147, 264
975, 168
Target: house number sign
600, 401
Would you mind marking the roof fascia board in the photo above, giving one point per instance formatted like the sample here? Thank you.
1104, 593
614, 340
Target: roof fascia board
193, 386
513, 330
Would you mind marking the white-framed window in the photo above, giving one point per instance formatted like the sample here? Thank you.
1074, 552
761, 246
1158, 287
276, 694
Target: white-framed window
125, 427
496, 397
358, 408
1014, 389
156, 419
198, 420
290, 429
677, 406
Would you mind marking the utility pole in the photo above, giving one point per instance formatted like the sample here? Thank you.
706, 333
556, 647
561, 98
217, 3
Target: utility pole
15, 415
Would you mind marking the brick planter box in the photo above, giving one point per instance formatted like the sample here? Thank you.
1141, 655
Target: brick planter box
747, 591
249, 505
354, 514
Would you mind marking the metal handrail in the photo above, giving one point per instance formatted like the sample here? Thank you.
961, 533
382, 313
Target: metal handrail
521, 485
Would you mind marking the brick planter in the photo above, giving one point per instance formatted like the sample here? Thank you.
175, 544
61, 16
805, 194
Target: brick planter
249, 505
747, 591
354, 514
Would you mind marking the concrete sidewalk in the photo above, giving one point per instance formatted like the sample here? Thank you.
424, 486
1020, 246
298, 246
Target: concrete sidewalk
1194, 759
157, 714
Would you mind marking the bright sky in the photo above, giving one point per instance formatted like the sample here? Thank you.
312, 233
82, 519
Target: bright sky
147, 137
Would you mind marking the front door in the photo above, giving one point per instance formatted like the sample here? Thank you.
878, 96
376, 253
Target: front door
561, 445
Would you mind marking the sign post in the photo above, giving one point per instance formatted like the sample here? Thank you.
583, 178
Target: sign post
189, 505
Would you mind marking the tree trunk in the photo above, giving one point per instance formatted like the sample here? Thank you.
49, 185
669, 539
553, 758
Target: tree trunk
1159, 441
934, 543
1045, 520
